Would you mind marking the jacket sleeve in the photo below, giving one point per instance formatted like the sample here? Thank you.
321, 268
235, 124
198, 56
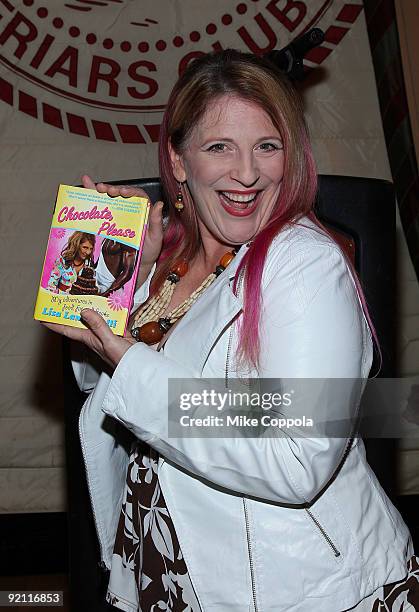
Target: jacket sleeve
55, 275
312, 328
87, 366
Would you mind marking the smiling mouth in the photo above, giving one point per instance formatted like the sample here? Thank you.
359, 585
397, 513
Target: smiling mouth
240, 203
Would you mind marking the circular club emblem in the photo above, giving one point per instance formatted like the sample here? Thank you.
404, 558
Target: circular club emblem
103, 68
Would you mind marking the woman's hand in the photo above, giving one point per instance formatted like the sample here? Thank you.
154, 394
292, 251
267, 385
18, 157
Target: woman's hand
154, 237
97, 336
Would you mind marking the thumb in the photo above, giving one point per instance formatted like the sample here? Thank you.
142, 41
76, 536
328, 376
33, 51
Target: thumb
96, 323
156, 219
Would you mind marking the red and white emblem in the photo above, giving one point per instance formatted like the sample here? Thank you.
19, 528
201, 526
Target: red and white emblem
103, 68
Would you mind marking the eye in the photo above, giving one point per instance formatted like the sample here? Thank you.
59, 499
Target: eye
218, 147
270, 146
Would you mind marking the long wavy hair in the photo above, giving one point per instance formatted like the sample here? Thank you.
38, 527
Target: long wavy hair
256, 80
72, 247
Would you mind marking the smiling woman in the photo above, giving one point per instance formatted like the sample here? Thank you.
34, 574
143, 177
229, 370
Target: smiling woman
234, 176
241, 281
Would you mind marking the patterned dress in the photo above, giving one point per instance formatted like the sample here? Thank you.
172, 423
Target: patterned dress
164, 583
148, 561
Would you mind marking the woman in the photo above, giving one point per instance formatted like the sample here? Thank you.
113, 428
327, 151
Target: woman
253, 522
71, 262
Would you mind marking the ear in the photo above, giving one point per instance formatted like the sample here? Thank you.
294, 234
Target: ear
178, 166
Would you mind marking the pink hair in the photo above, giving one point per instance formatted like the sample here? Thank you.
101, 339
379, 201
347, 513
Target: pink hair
251, 78
295, 201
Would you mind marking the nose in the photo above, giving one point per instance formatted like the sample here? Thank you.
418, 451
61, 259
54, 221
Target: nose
245, 170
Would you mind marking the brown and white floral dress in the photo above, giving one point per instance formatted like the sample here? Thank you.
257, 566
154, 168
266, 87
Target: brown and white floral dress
148, 566
147, 561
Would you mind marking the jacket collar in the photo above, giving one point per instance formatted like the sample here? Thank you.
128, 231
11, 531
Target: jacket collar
232, 268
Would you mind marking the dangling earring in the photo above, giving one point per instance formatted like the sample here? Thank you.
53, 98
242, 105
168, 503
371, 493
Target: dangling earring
179, 205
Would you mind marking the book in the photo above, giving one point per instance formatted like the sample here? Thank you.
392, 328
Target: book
92, 257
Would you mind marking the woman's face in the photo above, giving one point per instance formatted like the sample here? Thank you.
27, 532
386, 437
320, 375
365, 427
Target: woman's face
233, 163
85, 250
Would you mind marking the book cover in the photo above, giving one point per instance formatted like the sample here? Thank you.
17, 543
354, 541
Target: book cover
92, 257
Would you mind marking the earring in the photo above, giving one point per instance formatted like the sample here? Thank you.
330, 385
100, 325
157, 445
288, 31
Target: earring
179, 199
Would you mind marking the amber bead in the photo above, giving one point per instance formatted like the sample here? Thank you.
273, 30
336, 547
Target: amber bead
226, 259
180, 268
150, 333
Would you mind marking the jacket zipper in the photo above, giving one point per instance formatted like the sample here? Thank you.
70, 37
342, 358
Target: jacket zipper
323, 532
328, 539
101, 563
230, 335
246, 514
245, 510
250, 553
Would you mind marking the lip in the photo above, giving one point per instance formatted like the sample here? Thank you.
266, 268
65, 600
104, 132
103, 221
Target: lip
240, 191
235, 212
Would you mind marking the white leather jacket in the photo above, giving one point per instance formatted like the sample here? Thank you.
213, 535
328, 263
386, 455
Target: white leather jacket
270, 523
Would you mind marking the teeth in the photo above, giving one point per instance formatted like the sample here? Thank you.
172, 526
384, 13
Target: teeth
236, 197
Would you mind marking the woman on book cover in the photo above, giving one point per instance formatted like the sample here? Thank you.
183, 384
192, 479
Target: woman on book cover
241, 284
71, 262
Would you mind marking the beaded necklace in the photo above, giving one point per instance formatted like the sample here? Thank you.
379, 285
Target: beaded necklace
149, 325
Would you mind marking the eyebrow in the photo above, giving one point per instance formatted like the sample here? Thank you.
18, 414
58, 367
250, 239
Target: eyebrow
219, 138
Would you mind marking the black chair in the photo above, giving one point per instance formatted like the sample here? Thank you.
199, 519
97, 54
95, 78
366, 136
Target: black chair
361, 214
